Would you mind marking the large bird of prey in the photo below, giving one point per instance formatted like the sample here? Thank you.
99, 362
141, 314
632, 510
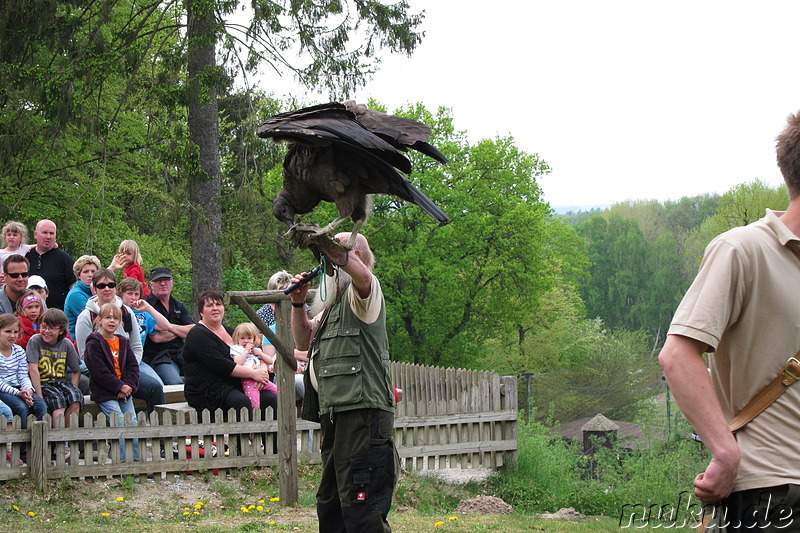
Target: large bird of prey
343, 153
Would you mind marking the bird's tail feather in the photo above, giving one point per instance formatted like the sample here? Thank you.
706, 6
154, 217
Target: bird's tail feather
427, 205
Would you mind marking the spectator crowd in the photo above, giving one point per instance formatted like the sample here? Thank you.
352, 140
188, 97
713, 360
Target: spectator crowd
70, 328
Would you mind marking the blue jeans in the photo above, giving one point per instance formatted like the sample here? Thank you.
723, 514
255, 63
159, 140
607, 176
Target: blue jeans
118, 408
6, 412
20, 408
169, 373
151, 388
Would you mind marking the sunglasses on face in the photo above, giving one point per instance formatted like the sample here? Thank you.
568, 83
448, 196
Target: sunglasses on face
15, 275
110, 285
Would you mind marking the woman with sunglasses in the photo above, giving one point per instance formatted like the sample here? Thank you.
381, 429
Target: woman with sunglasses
104, 284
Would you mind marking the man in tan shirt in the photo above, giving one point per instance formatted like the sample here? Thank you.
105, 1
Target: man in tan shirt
743, 309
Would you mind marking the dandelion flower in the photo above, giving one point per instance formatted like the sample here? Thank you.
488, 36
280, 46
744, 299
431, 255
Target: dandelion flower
438, 524
198, 506
275, 499
120, 499
244, 509
185, 513
259, 507
251, 506
103, 514
15, 507
31, 514
262, 500
196, 512
453, 518
272, 522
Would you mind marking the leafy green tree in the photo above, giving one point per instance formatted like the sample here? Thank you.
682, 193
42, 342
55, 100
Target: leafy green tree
742, 205
449, 288
617, 251
96, 98
615, 374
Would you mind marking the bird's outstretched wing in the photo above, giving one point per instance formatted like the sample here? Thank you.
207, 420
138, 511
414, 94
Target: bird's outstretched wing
400, 132
343, 152
330, 123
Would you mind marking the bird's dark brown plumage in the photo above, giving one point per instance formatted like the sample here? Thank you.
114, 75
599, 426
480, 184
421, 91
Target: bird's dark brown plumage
342, 153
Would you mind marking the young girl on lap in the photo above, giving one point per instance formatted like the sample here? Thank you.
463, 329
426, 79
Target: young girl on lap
245, 352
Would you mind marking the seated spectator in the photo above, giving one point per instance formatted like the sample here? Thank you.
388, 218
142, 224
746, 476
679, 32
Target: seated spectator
150, 321
16, 388
114, 370
278, 282
14, 239
39, 285
130, 260
244, 351
164, 349
17, 269
213, 379
54, 366
151, 388
29, 310
52, 263
84, 268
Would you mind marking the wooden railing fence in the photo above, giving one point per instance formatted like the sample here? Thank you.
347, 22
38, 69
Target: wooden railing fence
447, 419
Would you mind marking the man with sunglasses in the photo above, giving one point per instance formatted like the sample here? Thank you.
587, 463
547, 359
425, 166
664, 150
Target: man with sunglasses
16, 268
51, 263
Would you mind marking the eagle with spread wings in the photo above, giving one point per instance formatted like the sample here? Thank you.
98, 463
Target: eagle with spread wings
343, 153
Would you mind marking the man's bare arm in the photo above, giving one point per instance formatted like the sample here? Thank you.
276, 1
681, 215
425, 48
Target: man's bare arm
301, 325
180, 330
688, 378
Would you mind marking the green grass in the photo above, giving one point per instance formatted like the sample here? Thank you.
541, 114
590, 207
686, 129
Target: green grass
550, 475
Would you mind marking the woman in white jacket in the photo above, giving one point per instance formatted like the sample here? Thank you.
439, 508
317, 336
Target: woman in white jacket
151, 388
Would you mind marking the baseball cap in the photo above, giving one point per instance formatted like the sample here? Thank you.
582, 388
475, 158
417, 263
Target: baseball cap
37, 281
160, 272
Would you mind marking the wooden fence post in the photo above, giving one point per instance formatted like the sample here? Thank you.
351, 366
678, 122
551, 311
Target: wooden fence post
287, 411
39, 455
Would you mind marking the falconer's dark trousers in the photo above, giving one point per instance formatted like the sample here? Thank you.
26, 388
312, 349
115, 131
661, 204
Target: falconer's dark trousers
359, 471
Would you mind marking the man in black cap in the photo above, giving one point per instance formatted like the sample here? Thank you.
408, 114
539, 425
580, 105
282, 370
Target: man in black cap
163, 350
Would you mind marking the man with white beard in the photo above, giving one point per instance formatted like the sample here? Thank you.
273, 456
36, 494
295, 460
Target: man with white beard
349, 369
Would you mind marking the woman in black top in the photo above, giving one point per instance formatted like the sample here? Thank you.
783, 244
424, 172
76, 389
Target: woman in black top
213, 379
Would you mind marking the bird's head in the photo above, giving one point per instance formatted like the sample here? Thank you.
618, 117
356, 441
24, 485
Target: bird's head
283, 209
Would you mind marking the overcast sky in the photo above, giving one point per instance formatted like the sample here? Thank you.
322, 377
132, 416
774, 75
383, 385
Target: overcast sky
623, 99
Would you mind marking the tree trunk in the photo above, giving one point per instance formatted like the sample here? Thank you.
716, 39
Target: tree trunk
206, 217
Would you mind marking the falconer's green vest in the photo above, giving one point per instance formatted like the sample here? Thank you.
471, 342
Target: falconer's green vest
351, 360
